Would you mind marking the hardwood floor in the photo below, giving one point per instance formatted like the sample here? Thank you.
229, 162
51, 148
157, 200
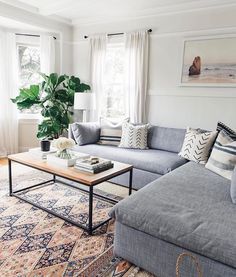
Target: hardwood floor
3, 161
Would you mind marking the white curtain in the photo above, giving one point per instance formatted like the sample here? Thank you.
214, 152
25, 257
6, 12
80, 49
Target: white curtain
47, 54
98, 45
136, 75
8, 90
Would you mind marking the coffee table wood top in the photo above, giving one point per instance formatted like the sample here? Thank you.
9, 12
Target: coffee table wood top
70, 173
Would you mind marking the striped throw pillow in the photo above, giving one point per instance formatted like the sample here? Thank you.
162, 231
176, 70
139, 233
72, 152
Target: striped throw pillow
231, 133
223, 156
111, 132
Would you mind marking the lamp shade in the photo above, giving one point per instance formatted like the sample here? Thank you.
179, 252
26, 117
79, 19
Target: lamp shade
82, 101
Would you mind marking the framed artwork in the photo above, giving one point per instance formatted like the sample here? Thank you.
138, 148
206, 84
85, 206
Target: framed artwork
209, 61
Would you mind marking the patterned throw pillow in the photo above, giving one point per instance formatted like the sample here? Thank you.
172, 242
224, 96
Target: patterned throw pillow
134, 136
197, 145
110, 133
221, 126
223, 156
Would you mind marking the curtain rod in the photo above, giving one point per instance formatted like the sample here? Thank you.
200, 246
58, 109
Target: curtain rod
29, 35
118, 34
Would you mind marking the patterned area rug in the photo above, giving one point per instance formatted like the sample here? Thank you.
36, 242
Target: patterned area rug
35, 243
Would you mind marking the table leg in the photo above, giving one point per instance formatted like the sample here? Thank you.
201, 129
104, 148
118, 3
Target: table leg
54, 178
10, 177
130, 180
90, 222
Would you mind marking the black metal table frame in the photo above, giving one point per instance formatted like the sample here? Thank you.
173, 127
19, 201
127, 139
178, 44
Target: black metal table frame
91, 193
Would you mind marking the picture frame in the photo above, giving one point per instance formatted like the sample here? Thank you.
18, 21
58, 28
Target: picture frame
209, 61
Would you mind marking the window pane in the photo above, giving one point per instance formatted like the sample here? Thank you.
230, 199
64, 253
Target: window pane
113, 97
29, 66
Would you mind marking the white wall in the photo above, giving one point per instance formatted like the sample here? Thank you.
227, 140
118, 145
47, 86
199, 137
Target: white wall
168, 103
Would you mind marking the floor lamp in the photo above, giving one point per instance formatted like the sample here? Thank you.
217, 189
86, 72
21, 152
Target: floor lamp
83, 102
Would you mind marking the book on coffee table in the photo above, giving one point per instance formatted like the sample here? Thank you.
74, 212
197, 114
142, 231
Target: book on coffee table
93, 165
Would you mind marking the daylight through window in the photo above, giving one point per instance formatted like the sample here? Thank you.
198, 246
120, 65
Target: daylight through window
29, 66
113, 104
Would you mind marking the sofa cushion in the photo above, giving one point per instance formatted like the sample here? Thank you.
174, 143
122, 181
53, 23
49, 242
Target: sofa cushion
190, 207
168, 139
156, 161
85, 133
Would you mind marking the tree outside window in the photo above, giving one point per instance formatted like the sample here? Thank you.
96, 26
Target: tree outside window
29, 66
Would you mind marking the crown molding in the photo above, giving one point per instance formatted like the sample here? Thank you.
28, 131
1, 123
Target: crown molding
61, 19
192, 6
21, 5
34, 10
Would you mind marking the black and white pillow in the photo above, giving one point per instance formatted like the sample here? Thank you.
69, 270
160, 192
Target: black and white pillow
197, 145
110, 133
134, 136
231, 133
223, 156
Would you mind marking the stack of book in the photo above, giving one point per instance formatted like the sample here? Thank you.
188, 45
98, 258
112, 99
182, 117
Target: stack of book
91, 166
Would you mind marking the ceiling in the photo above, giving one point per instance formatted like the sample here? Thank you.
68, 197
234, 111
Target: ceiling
84, 12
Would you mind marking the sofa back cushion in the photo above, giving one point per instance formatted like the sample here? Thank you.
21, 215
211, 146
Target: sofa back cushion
167, 139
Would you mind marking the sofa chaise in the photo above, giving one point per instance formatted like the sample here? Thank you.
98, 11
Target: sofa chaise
187, 210
161, 157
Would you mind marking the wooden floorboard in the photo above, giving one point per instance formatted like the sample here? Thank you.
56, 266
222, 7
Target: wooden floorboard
3, 161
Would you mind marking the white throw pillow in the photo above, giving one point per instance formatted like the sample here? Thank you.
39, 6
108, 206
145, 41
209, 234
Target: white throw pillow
197, 145
134, 136
223, 156
111, 131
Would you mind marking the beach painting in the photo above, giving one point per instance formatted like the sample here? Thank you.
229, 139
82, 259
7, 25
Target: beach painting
209, 62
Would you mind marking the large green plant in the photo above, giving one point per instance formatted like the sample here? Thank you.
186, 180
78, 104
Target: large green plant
55, 98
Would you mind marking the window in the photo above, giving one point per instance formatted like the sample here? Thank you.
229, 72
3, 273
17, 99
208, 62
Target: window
29, 66
113, 104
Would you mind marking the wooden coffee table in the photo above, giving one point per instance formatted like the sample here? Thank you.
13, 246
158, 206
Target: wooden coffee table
71, 174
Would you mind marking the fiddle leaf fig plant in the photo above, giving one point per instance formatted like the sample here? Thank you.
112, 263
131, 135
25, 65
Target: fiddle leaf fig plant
55, 98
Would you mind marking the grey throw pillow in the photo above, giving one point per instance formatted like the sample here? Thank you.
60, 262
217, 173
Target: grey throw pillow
86, 133
233, 187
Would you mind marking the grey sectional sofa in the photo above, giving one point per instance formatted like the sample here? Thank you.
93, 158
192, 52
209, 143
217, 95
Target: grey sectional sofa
161, 157
188, 209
